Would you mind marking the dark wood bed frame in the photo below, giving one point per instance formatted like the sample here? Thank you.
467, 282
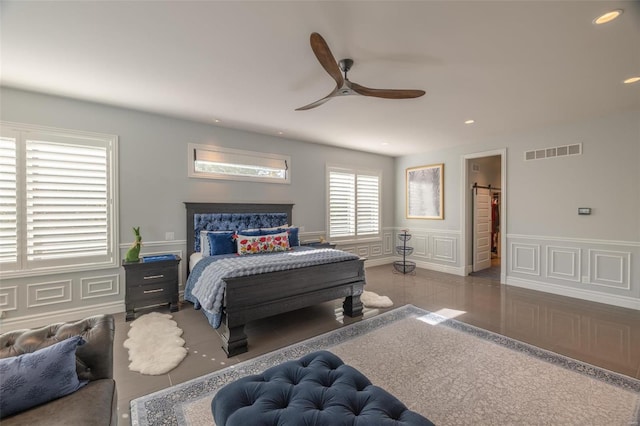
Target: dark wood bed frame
259, 296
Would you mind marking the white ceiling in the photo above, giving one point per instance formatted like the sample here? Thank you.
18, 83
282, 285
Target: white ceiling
510, 66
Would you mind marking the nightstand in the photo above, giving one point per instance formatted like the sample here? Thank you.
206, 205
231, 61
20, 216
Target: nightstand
318, 244
152, 283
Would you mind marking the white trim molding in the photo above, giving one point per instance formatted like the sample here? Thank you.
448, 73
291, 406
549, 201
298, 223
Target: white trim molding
610, 268
525, 258
563, 263
579, 293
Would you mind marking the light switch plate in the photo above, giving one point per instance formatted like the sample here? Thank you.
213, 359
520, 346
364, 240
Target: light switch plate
584, 210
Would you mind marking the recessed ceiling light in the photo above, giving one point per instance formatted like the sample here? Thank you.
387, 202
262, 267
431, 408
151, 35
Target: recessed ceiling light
469, 122
607, 17
631, 80
281, 133
216, 121
385, 143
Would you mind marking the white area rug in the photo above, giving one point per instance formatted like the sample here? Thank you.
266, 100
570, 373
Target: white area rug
374, 300
154, 344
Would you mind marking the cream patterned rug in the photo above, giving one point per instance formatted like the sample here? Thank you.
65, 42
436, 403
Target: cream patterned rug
154, 344
448, 371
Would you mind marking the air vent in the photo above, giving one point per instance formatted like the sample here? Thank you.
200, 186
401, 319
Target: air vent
553, 152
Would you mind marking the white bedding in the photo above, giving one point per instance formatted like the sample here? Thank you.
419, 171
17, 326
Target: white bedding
193, 259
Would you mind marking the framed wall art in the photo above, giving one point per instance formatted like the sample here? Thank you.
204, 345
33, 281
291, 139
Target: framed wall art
425, 192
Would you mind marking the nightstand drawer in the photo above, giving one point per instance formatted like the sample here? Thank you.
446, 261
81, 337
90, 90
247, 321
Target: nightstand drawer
145, 276
151, 291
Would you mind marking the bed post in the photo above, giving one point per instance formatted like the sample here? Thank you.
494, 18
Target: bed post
234, 339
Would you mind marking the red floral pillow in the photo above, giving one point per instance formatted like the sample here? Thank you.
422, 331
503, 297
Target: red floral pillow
262, 243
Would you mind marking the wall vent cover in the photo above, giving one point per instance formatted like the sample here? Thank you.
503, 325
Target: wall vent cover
553, 152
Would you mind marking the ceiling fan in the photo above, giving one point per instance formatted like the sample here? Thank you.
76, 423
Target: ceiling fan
344, 87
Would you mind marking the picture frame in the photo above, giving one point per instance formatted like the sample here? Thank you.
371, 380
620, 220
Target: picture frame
425, 192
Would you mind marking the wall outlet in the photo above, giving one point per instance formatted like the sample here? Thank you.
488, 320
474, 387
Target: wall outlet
169, 236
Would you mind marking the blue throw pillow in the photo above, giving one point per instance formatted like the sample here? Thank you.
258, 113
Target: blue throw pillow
294, 240
35, 378
221, 242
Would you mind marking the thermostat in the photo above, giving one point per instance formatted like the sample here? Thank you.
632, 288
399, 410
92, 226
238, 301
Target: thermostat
584, 210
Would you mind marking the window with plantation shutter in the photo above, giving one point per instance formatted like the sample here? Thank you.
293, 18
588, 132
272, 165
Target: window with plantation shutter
62, 199
214, 162
8, 207
354, 203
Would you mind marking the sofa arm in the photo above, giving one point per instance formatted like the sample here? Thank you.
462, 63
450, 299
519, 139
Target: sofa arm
94, 360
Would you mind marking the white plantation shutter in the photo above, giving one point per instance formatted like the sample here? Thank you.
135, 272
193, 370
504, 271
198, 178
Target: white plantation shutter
342, 203
354, 204
66, 200
8, 203
57, 199
368, 201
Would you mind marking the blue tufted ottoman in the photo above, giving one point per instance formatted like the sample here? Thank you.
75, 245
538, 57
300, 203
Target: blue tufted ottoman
316, 390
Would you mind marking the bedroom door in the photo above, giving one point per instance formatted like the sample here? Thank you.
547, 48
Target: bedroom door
481, 229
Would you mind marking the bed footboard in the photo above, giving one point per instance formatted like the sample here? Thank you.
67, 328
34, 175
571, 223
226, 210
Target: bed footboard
260, 296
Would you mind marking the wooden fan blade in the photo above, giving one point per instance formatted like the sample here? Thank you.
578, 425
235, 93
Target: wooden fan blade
325, 57
319, 101
387, 93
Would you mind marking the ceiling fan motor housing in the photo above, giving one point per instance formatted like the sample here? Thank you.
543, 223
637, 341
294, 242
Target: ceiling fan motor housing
346, 64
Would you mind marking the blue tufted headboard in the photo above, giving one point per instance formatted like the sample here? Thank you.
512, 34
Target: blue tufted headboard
232, 216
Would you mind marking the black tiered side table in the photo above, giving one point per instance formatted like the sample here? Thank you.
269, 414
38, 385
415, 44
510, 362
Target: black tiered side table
404, 266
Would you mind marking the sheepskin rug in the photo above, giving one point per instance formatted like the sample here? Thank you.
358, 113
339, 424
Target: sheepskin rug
154, 344
374, 300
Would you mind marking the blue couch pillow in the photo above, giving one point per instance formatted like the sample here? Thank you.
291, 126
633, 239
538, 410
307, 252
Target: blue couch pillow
35, 378
221, 242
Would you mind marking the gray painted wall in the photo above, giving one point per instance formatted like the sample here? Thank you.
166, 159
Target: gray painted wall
549, 247
154, 184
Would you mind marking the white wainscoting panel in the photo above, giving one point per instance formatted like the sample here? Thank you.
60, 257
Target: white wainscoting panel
563, 263
610, 268
49, 293
387, 238
9, 298
604, 271
101, 286
525, 258
376, 250
444, 249
363, 251
420, 245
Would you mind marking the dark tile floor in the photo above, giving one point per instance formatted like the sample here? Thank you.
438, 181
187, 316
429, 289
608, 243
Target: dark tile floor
598, 334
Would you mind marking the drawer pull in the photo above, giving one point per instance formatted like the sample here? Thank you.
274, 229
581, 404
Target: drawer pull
153, 277
153, 291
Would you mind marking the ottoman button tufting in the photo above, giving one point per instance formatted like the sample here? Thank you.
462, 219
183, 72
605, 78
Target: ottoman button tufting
324, 384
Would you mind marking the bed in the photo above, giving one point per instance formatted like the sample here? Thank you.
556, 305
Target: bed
259, 295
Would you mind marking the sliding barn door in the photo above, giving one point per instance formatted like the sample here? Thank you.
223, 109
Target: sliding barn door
481, 229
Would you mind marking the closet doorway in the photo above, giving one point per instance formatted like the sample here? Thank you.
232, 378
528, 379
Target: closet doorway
484, 215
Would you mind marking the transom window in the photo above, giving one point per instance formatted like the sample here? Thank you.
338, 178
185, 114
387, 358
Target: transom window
57, 191
214, 162
354, 203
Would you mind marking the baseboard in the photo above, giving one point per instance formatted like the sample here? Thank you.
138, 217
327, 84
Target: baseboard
455, 270
39, 320
593, 296
378, 262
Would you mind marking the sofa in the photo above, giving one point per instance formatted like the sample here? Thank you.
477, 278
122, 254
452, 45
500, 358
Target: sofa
93, 403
